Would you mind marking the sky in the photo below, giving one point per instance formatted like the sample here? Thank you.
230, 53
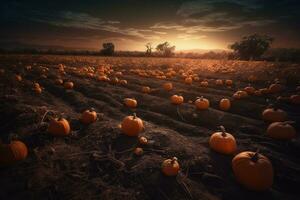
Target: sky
130, 24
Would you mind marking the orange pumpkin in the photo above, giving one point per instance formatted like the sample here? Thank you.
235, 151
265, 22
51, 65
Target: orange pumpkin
132, 125
88, 116
225, 104
223, 142
176, 99
59, 127
123, 82
38, 90
249, 89
275, 88
68, 85
203, 83
240, 94
146, 89
143, 140
18, 78
229, 82
274, 115
264, 90
138, 151
281, 130
253, 170
202, 103
168, 86
59, 81
219, 82
170, 167
13, 152
188, 80
295, 99
131, 103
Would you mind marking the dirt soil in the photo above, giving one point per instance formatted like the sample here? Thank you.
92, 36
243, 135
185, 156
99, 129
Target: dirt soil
97, 161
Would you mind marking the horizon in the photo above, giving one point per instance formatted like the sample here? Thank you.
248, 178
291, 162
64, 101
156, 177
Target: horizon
189, 25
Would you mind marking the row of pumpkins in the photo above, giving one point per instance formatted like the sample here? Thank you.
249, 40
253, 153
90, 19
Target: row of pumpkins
251, 169
101, 73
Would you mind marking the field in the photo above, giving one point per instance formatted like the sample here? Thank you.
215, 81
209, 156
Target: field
96, 161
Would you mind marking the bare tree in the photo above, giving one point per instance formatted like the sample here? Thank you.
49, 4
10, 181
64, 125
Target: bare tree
149, 48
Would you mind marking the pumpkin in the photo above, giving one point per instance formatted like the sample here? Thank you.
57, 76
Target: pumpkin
132, 125
129, 102
13, 152
115, 80
281, 130
225, 104
257, 93
229, 82
176, 99
59, 127
68, 85
295, 99
188, 80
249, 89
168, 86
18, 78
203, 83
202, 103
275, 88
274, 115
146, 89
264, 90
123, 82
222, 142
38, 90
59, 81
253, 170
143, 140
219, 82
88, 116
170, 167
138, 151
240, 94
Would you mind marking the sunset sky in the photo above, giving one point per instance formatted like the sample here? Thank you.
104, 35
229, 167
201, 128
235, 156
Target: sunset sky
130, 24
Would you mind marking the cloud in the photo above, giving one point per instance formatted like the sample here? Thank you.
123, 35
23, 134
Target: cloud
190, 37
221, 15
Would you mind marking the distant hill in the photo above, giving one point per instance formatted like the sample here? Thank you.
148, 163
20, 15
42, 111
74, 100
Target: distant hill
201, 51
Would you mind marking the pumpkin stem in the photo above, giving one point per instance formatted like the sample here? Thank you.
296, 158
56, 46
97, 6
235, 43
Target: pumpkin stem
134, 115
174, 159
223, 130
254, 158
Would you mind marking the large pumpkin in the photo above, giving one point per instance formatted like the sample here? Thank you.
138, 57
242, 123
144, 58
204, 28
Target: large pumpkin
274, 115
281, 130
13, 152
202, 103
253, 170
223, 142
132, 125
170, 167
225, 104
88, 116
275, 88
68, 85
168, 86
129, 102
59, 127
177, 99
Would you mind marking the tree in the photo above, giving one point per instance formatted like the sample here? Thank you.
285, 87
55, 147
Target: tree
108, 49
252, 46
166, 49
149, 48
